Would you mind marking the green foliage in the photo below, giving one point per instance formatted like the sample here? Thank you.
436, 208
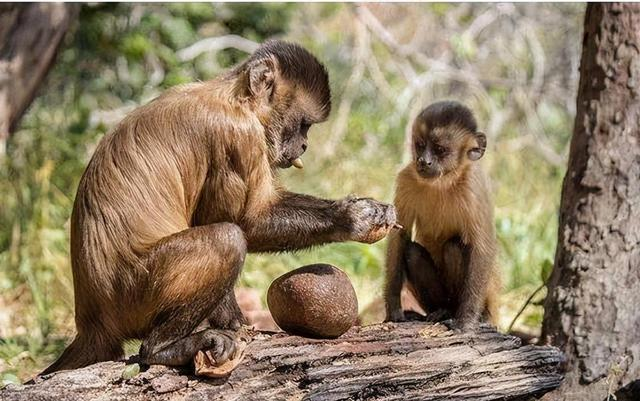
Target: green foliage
9, 378
257, 20
25, 355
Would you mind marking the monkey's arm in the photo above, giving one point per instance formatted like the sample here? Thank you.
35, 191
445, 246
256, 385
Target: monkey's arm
395, 274
399, 240
296, 221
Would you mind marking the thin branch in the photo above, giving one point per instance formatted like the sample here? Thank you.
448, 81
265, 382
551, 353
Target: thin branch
216, 44
526, 303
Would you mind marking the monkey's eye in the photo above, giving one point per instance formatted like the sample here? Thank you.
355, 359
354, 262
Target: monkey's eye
439, 150
304, 128
420, 144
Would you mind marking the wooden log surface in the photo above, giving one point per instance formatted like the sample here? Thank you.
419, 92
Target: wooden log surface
390, 361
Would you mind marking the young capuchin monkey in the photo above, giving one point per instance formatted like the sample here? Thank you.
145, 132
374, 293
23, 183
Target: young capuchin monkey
443, 195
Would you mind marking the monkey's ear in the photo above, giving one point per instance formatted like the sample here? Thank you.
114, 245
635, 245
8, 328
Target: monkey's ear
477, 152
261, 77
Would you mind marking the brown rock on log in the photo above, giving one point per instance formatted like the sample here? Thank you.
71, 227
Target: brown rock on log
315, 300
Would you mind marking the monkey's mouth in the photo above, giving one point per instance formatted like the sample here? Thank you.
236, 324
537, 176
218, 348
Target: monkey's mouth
429, 173
295, 162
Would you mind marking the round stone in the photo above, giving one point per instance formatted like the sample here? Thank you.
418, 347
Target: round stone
313, 301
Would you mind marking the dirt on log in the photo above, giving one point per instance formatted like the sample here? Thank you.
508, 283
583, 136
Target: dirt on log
391, 361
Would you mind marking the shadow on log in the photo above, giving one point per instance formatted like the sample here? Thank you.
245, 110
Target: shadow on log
402, 361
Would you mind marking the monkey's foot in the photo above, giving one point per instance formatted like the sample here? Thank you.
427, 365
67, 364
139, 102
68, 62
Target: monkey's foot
219, 342
460, 325
413, 315
438, 316
223, 358
396, 316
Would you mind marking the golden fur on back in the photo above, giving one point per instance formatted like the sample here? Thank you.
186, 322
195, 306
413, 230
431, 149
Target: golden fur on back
119, 214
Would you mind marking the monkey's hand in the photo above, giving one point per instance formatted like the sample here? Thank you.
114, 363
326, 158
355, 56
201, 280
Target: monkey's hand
368, 220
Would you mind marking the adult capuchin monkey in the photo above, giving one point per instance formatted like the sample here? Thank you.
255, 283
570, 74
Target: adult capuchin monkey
177, 194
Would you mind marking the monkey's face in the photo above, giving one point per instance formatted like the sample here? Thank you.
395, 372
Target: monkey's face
439, 151
293, 137
290, 91
292, 123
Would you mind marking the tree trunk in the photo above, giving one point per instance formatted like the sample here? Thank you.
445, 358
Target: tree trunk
30, 34
404, 361
592, 312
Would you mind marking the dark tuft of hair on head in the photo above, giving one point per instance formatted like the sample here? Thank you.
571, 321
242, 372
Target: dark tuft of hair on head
299, 66
448, 112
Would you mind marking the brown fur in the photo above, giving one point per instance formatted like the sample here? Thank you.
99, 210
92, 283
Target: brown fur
452, 215
180, 190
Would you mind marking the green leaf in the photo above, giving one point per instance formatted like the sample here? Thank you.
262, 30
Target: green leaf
135, 46
464, 45
9, 378
130, 371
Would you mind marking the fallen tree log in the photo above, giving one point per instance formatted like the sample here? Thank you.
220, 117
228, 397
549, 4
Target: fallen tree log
402, 361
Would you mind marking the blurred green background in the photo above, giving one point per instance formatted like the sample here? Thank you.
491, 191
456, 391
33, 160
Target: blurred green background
516, 66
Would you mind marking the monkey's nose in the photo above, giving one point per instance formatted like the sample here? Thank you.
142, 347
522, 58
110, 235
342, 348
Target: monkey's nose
422, 163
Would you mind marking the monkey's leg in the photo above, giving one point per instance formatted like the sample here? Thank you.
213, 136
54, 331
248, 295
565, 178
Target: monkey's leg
228, 314
192, 272
425, 278
468, 271
455, 258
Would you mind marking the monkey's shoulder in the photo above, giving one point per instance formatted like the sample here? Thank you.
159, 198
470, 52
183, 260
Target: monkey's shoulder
202, 106
479, 187
406, 181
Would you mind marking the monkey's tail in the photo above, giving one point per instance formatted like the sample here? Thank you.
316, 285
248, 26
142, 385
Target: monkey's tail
84, 351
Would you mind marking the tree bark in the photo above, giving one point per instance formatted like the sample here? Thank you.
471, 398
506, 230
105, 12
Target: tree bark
30, 34
405, 361
592, 312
